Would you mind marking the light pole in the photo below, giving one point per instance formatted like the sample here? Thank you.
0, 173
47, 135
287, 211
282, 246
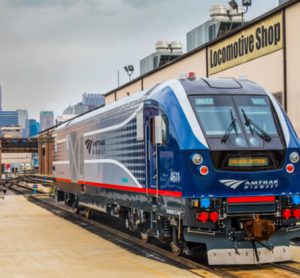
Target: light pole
129, 69
245, 3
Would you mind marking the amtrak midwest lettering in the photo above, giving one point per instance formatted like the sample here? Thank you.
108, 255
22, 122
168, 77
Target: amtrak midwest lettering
262, 38
95, 147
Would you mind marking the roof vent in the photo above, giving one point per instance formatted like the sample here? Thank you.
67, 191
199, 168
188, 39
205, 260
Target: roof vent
223, 83
162, 46
176, 46
219, 13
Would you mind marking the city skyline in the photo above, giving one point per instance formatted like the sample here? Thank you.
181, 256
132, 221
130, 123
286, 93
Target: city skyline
20, 117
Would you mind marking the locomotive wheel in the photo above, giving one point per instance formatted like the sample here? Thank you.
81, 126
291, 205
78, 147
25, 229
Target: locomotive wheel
175, 248
75, 209
145, 236
66, 200
57, 195
87, 213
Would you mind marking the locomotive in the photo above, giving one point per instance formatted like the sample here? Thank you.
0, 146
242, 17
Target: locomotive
210, 163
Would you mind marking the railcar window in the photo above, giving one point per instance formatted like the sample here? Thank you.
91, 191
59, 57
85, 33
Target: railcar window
152, 128
216, 114
164, 131
259, 111
242, 121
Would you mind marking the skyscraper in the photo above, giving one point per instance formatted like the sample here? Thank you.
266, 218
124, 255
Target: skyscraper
46, 119
8, 118
33, 127
22, 118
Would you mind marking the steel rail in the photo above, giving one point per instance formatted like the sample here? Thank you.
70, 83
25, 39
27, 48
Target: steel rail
287, 267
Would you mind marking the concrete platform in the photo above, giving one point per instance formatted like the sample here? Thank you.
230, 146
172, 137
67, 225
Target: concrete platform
36, 243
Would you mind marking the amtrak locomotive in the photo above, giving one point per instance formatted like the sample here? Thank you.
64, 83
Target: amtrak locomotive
195, 162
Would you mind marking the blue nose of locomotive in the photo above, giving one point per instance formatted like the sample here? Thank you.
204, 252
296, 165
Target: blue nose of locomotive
206, 179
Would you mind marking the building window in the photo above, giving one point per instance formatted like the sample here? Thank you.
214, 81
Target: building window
211, 32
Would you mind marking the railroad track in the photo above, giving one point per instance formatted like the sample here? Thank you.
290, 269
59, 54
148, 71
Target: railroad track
18, 181
134, 244
293, 267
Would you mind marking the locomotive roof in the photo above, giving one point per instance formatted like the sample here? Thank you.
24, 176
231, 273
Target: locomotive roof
221, 86
104, 109
192, 87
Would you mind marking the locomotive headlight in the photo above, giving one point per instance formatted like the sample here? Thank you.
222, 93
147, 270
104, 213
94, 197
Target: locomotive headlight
294, 157
197, 158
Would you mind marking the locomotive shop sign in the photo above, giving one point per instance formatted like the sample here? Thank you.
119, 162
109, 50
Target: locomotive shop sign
253, 42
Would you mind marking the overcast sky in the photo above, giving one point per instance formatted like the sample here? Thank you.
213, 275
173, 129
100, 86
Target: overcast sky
52, 51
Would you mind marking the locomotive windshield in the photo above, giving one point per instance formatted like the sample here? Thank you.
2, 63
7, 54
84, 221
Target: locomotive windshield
216, 114
256, 110
246, 121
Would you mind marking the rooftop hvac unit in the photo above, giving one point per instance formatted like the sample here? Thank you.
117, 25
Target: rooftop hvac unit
176, 46
162, 46
219, 13
165, 52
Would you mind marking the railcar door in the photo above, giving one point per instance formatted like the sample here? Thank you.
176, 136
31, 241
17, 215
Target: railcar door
152, 152
75, 143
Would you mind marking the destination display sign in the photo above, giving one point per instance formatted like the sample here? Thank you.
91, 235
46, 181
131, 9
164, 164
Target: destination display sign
248, 161
253, 42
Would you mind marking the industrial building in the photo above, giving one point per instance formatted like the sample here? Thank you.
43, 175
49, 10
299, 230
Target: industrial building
165, 52
223, 20
265, 50
11, 132
45, 147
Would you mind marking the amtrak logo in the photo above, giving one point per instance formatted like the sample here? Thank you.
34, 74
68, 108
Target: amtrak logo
234, 184
251, 185
89, 144
95, 147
